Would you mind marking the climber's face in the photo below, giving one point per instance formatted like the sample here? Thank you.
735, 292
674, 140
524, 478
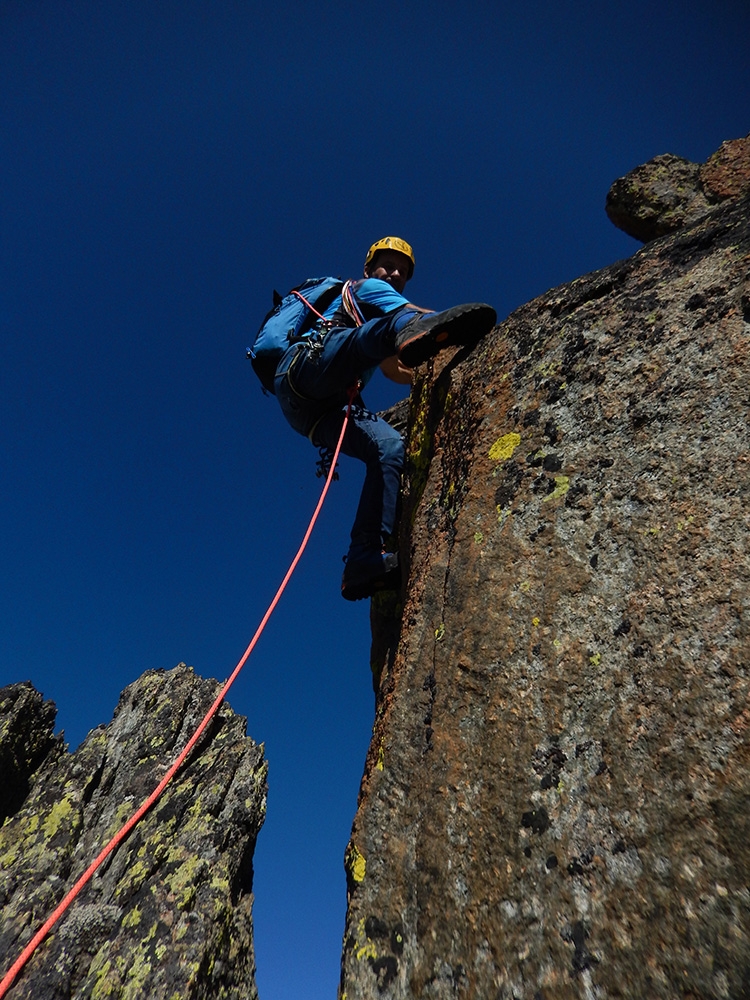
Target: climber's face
391, 266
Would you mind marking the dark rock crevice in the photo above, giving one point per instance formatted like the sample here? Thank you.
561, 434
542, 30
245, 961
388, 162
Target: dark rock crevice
26, 740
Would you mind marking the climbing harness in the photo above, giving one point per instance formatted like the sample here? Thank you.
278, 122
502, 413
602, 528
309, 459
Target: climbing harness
12, 973
290, 322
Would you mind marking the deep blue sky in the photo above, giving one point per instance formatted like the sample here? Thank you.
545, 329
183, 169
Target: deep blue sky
165, 165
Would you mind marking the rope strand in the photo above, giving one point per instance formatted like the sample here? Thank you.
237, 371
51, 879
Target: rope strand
44, 930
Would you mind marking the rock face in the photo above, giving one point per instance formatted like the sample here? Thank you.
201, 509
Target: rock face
670, 192
169, 914
556, 800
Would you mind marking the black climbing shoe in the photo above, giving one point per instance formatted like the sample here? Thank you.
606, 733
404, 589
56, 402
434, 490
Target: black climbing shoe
424, 336
370, 574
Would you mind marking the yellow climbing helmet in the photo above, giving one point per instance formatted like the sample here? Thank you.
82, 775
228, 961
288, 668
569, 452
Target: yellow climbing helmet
391, 243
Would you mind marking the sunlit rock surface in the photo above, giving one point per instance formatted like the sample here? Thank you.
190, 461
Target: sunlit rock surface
669, 192
556, 800
169, 915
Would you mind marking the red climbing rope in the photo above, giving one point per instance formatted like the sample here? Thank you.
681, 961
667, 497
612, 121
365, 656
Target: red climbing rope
347, 299
44, 930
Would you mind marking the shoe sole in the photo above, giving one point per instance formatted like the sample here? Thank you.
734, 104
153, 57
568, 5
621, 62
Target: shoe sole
464, 325
358, 592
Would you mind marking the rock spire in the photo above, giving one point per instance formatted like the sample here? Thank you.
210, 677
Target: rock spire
170, 913
556, 796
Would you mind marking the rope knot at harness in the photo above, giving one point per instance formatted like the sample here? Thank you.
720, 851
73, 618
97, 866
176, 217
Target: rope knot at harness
325, 465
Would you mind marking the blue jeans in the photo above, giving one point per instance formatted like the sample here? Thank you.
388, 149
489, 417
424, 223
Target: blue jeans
312, 382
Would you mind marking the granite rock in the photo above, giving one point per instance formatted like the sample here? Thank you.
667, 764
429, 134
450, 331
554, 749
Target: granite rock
556, 798
670, 192
169, 913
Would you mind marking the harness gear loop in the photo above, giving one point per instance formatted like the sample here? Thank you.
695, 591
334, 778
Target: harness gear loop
323, 465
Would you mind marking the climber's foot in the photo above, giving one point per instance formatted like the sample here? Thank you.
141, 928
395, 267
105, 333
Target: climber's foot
425, 335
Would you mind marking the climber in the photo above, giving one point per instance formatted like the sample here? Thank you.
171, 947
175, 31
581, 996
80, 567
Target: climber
368, 324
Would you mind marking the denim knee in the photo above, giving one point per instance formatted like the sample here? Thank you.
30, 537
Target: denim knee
392, 449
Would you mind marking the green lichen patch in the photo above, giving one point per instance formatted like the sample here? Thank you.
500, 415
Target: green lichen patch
62, 816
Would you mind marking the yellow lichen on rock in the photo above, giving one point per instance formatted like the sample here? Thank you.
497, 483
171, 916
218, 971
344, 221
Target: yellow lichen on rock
561, 488
504, 447
356, 864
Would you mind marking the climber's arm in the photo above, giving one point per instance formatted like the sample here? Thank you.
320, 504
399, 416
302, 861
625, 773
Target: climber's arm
395, 371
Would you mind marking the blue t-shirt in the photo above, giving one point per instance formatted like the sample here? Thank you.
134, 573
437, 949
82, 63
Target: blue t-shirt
374, 298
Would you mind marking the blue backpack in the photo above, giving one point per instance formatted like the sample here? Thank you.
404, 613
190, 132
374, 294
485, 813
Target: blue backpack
288, 322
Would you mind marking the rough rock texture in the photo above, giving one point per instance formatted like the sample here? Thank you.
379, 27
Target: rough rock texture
169, 913
669, 192
26, 739
556, 800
